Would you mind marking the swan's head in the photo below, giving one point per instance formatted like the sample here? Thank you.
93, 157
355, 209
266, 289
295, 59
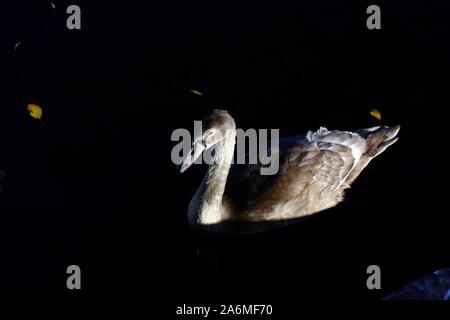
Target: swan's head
216, 127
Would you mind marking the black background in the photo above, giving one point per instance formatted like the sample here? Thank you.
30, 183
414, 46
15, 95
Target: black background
94, 186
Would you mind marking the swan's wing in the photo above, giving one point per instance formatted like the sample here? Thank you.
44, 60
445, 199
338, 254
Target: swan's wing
245, 180
321, 159
340, 152
435, 286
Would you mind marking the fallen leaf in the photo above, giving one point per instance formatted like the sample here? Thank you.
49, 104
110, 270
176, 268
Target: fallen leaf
35, 111
375, 113
17, 45
196, 92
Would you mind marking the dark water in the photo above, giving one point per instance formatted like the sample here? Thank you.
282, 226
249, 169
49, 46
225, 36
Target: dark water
94, 186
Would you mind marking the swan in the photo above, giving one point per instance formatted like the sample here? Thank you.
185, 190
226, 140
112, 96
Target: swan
314, 170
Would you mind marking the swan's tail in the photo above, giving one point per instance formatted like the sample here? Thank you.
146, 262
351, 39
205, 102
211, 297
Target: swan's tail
378, 139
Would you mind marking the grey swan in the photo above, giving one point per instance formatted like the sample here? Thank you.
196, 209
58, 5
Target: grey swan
314, 170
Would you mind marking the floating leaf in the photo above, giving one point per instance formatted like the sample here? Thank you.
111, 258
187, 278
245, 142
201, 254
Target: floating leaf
196, 92
375, 113
35, 111
17, 45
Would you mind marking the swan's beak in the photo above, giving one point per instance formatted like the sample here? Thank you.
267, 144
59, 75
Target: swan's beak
195, 152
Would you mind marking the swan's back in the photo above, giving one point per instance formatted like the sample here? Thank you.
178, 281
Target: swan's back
314, 169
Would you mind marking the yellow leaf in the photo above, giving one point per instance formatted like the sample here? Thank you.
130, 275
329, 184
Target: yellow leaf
196, 92
376, 114
35, 111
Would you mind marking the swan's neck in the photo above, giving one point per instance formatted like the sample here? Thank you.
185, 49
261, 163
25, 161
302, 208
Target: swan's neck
206, 205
